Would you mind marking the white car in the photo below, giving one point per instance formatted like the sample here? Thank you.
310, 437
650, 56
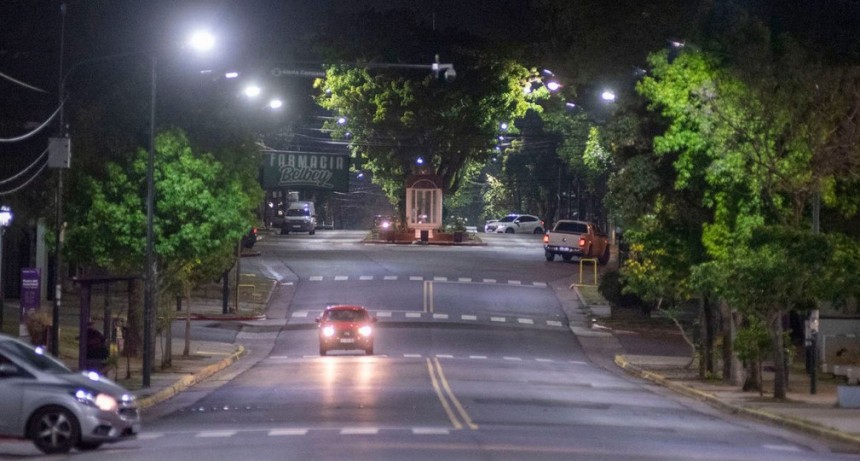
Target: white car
516, 224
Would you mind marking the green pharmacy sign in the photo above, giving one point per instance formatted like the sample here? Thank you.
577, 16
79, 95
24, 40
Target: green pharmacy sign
308, 170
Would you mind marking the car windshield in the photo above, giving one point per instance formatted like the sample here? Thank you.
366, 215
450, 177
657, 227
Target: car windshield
580, 228
298, 212
36, 357
347, 315
510, 218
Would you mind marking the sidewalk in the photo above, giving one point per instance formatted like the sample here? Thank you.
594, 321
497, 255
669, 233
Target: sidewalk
663, 361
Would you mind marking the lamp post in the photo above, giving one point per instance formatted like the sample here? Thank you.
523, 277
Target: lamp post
5, 220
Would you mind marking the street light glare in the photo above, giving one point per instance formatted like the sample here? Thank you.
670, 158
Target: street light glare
276, 104
553, 85
608, 95
231, 75
252, 91
202, 41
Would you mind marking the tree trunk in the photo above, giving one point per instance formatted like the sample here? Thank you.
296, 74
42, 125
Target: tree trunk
677, 323
132, 336
732, 367
779, 369
187, 350
706, 364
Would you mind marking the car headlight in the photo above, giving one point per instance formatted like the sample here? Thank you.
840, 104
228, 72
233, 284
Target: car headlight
103, 402
365, 330
328, 331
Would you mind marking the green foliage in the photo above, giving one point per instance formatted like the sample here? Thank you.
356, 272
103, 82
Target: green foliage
393, 119
202, 210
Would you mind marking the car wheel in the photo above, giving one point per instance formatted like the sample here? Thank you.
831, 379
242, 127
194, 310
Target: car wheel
538, 230
88, 446
323, 351
549, 255
54, 430
509, 231
567, 257
312, 232
369, 350
604, 258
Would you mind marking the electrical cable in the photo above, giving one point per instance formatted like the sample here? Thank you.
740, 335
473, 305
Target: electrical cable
25, 85
27, 183
35, 131
27, 168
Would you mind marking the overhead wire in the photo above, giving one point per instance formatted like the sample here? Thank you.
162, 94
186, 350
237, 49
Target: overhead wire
19, 82
36, 130
26, 169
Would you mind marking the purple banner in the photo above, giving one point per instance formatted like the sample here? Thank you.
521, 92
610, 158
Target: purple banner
31, 281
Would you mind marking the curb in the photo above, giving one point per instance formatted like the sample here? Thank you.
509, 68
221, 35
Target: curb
189, 380
766, 416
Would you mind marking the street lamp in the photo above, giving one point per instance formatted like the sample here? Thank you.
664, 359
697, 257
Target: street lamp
5, 220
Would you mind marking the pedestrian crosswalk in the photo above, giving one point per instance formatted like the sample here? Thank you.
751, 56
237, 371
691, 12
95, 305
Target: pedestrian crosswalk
422, 278
430, 316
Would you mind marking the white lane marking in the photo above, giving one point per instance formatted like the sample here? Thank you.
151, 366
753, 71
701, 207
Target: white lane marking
444, 356
359, 431
489, 280
390, 277
497, 319
440, 316
512, 358
412, 356
279, 356
440, 279
300, 314
526, 321
212, 434
553, 323
413, 315
543, 360
417, 278
315, 278
464, 279
540, 284
781, 447
365, 277
480, 357
579, 362
514, 282
383, 314
278, 432
150, 436
469, 317
341, 277
430, 431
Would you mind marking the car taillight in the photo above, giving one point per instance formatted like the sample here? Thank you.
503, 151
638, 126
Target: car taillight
545, 238
253, 231
582, 241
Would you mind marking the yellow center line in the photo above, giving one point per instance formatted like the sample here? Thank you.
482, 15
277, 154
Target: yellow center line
453, 417
463, 414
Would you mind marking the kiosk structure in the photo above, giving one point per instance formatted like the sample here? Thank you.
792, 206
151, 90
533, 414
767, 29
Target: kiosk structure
424, 204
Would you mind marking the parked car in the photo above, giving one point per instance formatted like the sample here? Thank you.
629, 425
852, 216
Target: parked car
300, 217
490, 225
58, 409
346, 327
517, 224
571, 238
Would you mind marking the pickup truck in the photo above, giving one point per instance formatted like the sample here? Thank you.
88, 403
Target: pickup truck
576, 238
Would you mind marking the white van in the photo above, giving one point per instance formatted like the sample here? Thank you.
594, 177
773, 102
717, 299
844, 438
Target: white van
300, 217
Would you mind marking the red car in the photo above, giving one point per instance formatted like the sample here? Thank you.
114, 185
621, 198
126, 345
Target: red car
346, 327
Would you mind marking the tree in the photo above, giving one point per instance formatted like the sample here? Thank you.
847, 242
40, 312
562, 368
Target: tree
752, 129
393, 119
202, 211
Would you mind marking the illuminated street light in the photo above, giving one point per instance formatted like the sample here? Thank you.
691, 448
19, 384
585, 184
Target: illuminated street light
608, 95
552, 85
231, 75
202, 41
341, 121
252, 91
276, 104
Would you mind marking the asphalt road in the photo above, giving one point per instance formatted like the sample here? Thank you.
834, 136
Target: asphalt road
474, 361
